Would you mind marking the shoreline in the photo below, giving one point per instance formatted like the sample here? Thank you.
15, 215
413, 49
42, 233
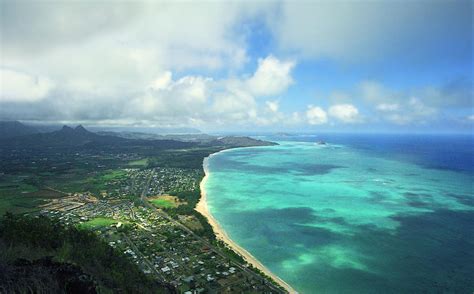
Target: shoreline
203, 209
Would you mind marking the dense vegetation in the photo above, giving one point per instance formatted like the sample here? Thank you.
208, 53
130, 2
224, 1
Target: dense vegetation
30, 239
191, 158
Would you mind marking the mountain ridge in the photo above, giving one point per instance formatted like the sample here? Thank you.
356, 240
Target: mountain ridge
11, 129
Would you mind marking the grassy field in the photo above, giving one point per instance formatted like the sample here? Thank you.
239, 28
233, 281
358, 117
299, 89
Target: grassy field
97, 223
17, 195
113, 175
82, 181
165, 201
18, 203
139, 163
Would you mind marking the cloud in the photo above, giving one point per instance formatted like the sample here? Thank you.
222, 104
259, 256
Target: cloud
388, 107
126, 63
374, 92
272, 106
415, 111
190, 99
316, 115
455, 93
346, 113
20, 87
162, 82
161, 62
184, 96
272, 76
418, 105
96, 49
36, 29
375, 30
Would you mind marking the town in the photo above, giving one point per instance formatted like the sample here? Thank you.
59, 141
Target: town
163, 247
137, 196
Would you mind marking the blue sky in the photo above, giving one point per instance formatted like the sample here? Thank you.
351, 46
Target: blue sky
361, 66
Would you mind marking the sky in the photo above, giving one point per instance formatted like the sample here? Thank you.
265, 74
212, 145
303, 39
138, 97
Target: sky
349, 66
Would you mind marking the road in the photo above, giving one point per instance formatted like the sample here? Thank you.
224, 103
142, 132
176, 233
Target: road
203, 240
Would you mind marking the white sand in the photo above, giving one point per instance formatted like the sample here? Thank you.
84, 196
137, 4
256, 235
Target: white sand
203, 209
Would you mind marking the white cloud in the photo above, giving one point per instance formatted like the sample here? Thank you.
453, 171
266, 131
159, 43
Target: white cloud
316, 115
373, 30
127, 63
388, 107
375, 92
420, 109
162, 82
412, 112
35, 30
470, 117
272, 77
233, 102
21, 87
272, 106
346, 113
204, 100
183, 97
117, 51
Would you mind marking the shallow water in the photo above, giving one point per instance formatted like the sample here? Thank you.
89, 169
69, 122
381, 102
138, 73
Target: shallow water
365, 215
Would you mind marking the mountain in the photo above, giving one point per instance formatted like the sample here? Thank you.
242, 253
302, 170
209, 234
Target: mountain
10, 129
149, 130
231, 141
198, 137
68, 137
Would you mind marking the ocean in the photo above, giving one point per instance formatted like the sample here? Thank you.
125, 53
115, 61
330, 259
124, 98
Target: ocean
360, 214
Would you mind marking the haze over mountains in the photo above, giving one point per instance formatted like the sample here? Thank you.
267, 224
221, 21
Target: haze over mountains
16, 128
16, 134
10, 129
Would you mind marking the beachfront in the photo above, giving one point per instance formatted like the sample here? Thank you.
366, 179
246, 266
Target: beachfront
203, 209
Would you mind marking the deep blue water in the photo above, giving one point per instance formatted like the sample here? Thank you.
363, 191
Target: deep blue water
454, 151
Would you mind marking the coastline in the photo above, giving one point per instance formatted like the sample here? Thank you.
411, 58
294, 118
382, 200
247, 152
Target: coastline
203, 209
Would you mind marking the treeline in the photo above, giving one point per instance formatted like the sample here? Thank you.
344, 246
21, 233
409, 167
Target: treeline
111, 270
191, 198
191, 158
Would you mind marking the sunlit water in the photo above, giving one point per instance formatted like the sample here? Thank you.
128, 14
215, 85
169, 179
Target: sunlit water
359, 215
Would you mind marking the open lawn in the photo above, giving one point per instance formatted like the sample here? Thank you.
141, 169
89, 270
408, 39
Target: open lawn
82, 181
113, 175
98, 222
140, 163
165, 201
18, 187
20, 201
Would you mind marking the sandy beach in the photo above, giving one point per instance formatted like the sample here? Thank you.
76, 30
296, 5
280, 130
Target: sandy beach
203, 209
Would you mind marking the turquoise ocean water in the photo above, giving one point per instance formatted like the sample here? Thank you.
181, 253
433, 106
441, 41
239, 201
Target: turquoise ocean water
358, 215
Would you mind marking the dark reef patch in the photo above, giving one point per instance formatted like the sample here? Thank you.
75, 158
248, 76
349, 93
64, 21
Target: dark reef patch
428, 252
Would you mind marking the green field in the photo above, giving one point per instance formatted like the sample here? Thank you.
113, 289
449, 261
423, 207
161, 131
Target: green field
16, 195
141, 162
18, 203
113, 175
18, 187
98, 222
82, 181
163, 203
